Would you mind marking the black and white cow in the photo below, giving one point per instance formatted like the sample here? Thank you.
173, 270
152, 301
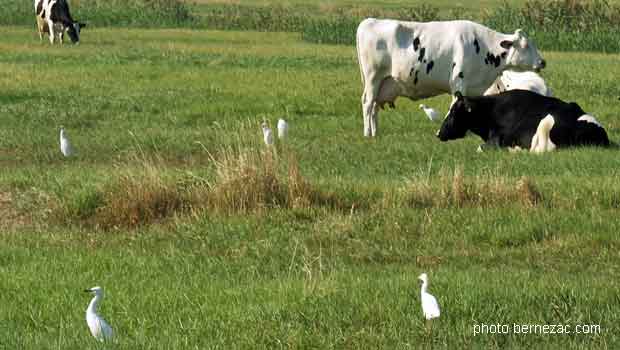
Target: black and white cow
54, 17
511, 80
420, 60
522, 119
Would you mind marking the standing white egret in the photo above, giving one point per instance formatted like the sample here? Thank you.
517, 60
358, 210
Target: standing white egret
282, 129
65, 145
432, 114
99, 328
430, 308
267, 134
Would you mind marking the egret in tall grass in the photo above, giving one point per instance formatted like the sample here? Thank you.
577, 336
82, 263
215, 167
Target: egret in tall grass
432, 114
282, 129
65, 144
267, 134
430, 308
99, 328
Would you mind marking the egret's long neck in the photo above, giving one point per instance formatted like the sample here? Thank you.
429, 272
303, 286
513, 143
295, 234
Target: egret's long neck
423, 289
92, 307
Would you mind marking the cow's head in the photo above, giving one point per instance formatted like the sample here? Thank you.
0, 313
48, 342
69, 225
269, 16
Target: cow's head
457, 123
74, 30
522, 53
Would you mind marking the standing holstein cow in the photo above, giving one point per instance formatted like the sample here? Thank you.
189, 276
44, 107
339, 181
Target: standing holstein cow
54, 17
522, 119
420, 60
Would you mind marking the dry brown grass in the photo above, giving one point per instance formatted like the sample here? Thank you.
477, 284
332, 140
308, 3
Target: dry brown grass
253, 180
243, 178
139, 196
257, 180
11, 217
459, 191
27, 209
246, 181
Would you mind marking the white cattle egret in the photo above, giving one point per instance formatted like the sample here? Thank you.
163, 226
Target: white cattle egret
432, 114
267, 134
65, 145
430, 308
99, 328
282, 129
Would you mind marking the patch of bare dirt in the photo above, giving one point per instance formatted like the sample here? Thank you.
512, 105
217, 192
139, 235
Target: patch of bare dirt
10, 217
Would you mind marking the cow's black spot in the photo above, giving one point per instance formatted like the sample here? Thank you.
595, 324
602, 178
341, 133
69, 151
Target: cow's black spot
415, 80
416, 44
504, 54
411, 71
40, 9
429, 66
493, 59
60, 14
453, 65
422, 52
461, 75
424, 61
477, 46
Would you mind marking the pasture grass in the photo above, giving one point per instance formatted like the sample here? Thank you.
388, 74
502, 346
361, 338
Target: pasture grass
562, 25
203, 238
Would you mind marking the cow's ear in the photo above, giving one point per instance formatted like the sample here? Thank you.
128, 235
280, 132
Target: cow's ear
506, 44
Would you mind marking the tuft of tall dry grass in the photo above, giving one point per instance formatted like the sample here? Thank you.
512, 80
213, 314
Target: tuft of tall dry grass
457, 190
245, 181
248, 180
141, 195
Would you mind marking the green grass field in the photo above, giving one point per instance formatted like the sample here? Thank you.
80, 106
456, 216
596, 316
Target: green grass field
505, 238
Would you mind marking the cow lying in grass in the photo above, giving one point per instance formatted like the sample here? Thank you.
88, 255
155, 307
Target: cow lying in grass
522, 119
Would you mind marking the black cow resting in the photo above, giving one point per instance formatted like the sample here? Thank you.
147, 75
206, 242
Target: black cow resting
523, 119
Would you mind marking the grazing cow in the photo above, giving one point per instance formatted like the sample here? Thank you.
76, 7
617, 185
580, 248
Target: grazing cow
523, 119
511, 80
420, 60
53, 17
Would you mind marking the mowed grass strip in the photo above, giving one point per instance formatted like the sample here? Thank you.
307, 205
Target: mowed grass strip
504, 237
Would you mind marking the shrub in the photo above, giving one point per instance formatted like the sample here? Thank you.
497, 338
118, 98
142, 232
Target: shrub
562, 25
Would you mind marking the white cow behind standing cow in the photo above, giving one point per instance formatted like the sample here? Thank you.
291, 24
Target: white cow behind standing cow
511, 80
420, 60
